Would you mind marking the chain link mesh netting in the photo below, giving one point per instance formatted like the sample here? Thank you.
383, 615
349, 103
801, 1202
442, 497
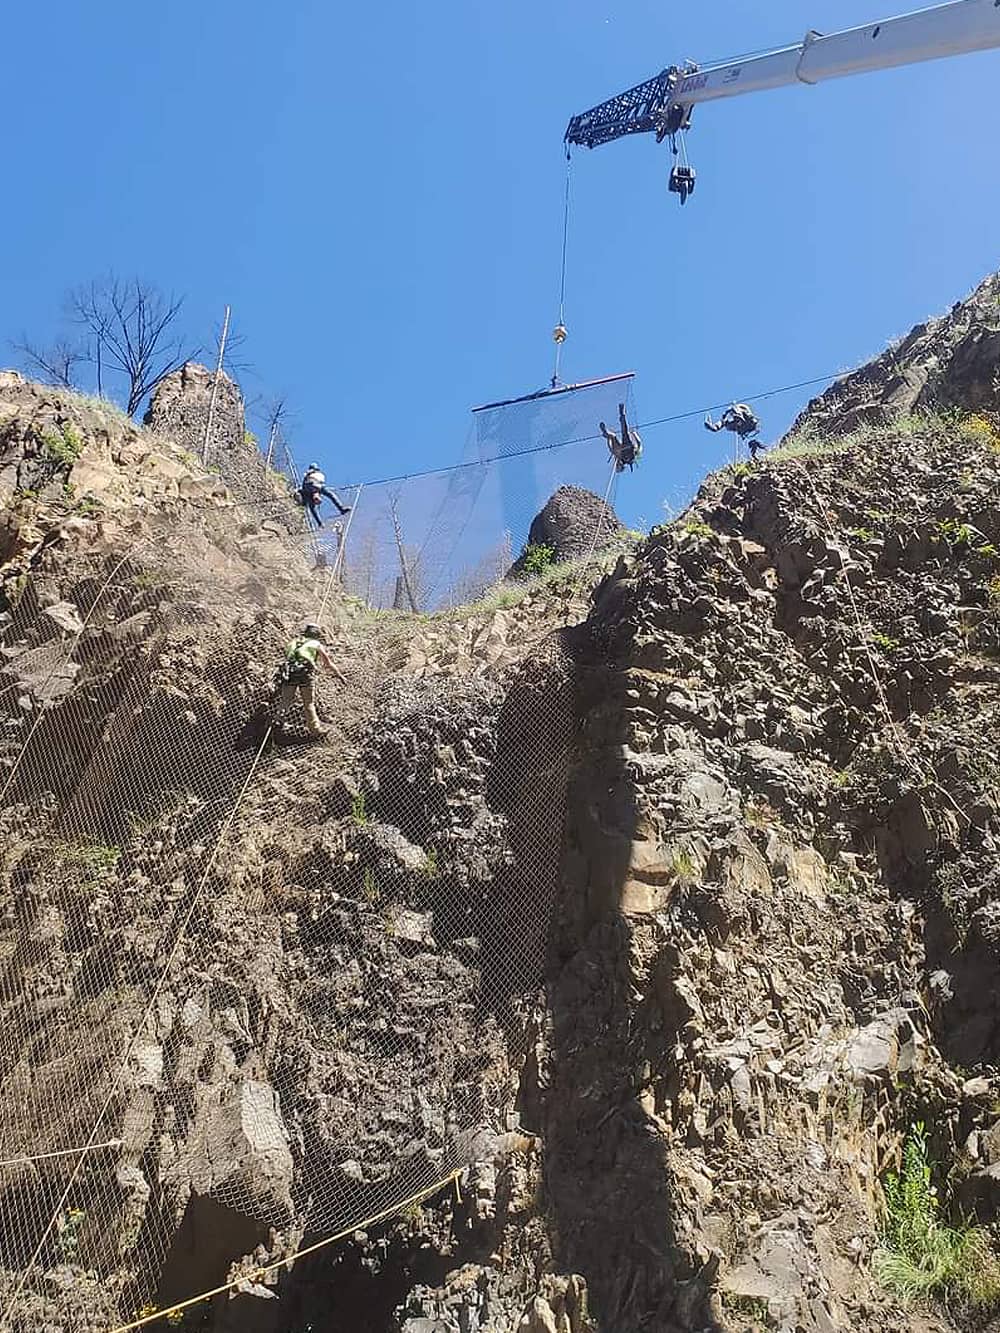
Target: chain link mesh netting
245, 979
429, 542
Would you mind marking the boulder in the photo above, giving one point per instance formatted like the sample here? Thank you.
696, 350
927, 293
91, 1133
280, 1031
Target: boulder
572, 523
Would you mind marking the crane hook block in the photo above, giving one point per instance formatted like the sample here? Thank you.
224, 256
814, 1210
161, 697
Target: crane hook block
559, 334
682, 182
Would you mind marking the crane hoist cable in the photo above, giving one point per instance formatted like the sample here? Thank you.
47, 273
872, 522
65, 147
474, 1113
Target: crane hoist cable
559, 332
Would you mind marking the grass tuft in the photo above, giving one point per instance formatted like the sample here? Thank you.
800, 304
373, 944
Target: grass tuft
922, 1257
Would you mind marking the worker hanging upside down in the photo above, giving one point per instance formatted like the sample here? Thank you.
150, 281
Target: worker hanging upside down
313, 488
296, 676
625, 447
740, 419
737, 418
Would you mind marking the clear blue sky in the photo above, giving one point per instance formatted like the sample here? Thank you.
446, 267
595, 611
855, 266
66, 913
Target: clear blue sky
377, 191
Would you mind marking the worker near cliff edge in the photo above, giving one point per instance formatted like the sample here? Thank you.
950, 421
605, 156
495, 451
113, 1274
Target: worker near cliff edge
295, 679
313, 489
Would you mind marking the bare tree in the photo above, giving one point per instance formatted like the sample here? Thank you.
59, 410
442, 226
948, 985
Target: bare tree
407, 580
134, 325
276, 414
474, 583
55, 363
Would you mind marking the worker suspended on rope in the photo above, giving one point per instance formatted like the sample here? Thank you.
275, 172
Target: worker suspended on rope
313, 488
625, 447
738, 418
296, 675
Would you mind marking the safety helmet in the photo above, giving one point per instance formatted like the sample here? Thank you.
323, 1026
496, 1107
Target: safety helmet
312, 629
313, 467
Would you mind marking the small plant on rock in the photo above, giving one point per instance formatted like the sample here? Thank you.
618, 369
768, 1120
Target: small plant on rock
538, 556
683, 864
93, 861
955, 533
980, 430
696, 527
369, 888
68, 1233
359, 812
63, 446
885, 641
920, 1255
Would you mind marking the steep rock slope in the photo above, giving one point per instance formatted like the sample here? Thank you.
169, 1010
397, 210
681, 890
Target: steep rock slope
946, 363
778, 883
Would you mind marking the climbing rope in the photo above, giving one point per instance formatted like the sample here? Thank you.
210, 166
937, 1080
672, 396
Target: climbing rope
257, 1274
26, 1159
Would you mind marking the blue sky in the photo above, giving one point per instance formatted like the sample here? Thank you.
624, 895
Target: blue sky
377, 191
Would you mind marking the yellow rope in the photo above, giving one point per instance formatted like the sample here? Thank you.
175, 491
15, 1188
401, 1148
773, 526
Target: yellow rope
257, 1273
26, 1159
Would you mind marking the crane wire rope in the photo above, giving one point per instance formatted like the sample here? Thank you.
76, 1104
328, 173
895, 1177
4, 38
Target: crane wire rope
559, 333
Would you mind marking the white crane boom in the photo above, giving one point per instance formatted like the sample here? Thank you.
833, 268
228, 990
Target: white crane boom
662, 105
928, 34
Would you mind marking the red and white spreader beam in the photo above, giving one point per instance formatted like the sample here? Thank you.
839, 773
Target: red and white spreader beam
663, 105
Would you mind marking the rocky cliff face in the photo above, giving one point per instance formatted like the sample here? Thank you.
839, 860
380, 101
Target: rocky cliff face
946, 363
612, 950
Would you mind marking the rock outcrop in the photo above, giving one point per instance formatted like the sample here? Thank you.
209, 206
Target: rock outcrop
946, 363
181, 409
573, 524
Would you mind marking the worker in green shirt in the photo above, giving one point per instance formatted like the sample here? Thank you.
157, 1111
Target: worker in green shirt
296, 677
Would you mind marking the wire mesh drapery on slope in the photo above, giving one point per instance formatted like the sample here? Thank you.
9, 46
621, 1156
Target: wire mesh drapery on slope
290, 983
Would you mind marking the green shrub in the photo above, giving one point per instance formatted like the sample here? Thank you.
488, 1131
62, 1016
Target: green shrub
538, 556
980, 430
93, 861
63, 446
920, 1256
370, 890
885, 642
954, 533
696, 527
